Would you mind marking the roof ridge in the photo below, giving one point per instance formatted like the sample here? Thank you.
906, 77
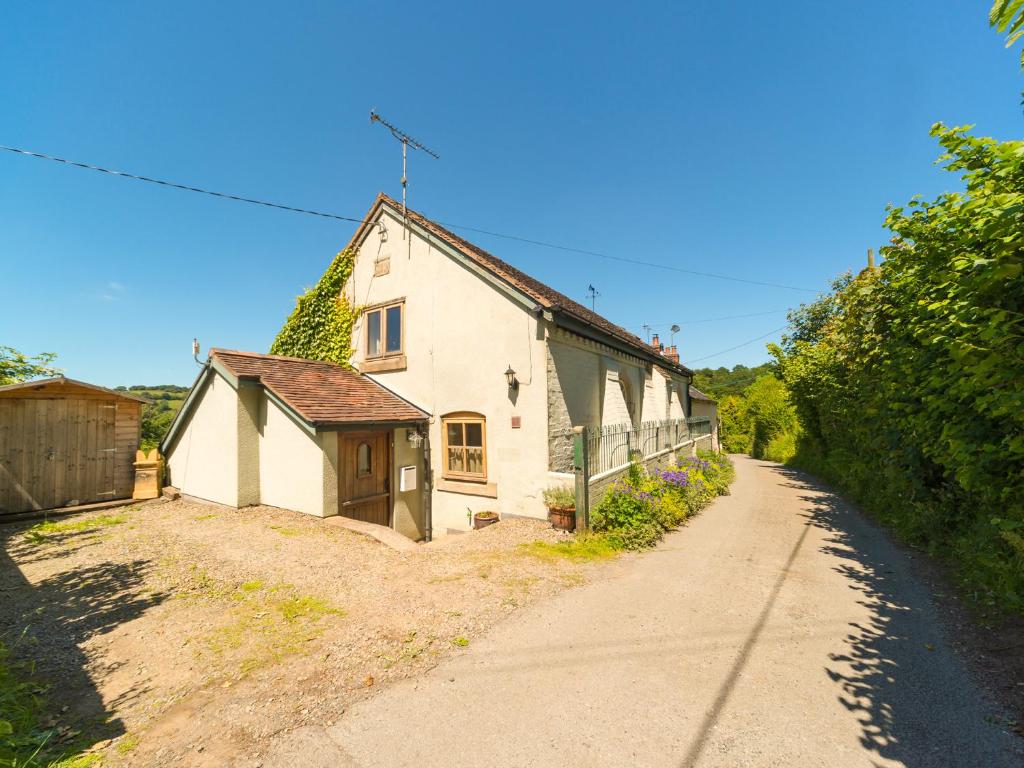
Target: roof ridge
542, 293
286, 358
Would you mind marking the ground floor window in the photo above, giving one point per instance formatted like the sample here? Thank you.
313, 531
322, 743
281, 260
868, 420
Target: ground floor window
465, 446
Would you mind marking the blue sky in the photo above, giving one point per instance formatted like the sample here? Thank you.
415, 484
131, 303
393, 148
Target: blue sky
756, 140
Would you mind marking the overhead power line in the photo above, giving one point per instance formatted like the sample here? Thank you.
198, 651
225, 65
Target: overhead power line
627, 260
730, 349
184, 187
357, 220
718, 319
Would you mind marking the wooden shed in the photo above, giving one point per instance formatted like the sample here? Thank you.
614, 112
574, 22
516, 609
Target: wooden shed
64, 442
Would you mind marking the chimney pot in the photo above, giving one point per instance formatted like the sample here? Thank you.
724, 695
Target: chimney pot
654, 341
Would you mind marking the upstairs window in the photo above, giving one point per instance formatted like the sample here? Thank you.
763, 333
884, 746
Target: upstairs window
385, 331
465, 446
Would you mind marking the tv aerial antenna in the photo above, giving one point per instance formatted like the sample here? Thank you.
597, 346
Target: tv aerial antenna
593, 293
407, 141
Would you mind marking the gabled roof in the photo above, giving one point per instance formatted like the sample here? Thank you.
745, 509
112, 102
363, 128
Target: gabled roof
696, 394
321, 394
545, 296
62, 380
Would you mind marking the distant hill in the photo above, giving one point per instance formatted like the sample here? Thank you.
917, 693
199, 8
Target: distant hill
163, 401
719, 382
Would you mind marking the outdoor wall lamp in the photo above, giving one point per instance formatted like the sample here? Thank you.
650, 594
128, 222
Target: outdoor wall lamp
413, 437
510, 377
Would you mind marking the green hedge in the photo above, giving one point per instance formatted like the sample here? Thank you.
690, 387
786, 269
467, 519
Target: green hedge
909, 379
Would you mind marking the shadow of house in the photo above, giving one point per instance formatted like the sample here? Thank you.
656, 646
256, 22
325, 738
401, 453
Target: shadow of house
913, 698
45, 623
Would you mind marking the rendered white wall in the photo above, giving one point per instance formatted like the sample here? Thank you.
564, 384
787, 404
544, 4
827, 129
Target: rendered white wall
291, 462
460, 336
203, 461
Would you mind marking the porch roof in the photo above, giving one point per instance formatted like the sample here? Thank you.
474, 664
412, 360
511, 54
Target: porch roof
321, 394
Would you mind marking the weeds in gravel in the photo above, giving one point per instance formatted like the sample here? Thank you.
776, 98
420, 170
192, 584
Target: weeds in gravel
410, 650
269, 623
127, 743
460, 641
584, 547
40, 532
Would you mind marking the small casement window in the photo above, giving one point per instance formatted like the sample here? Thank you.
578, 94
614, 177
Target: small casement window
385, 331
465, 446
364, 460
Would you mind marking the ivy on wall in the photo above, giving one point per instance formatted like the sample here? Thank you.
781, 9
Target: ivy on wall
320, 327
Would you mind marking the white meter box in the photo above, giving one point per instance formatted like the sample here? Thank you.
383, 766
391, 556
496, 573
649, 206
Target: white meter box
407, 479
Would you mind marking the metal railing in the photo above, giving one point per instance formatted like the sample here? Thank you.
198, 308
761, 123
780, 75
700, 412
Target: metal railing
615, 445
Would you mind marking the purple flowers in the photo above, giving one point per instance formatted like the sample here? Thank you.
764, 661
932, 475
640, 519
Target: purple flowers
677, 477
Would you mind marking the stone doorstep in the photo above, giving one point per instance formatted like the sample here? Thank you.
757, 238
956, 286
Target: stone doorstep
386, 536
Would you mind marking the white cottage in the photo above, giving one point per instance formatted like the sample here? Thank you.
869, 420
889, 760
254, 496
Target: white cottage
475, 373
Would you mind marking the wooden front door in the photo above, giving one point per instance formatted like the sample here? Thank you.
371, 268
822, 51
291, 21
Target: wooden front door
364, 479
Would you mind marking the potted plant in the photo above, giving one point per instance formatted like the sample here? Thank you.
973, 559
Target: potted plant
483, 519
561, 504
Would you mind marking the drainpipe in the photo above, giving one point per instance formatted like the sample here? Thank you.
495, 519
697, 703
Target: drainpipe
428, 516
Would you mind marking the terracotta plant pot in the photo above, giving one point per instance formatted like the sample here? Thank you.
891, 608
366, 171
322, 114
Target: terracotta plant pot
562, 518
483, 519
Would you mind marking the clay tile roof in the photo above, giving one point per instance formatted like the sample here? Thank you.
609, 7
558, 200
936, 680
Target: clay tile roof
696, 394
320, 393
543, 294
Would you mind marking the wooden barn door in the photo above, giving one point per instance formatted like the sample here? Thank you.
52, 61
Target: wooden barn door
365, 476
55, 452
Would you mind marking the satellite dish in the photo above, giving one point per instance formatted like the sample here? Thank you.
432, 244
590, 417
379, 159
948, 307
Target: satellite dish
674, 328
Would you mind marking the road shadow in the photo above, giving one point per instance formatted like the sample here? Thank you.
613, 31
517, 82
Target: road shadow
45, 624
896, 673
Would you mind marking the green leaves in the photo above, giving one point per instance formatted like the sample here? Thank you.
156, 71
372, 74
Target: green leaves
907, 379
1007, 18
320, 327
16, 367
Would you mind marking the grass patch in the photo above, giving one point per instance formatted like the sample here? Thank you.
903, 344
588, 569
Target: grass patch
285, 531
582, 548
40, 532
127, 744
28, 737
461, 641
268, 624
205, 517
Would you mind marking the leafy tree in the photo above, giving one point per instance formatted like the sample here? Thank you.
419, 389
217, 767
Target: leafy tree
155, 424
1007, 16
732, 412
16, 367
771, 417
719, 382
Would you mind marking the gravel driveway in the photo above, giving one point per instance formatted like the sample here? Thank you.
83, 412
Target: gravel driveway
778, 629
190, 634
